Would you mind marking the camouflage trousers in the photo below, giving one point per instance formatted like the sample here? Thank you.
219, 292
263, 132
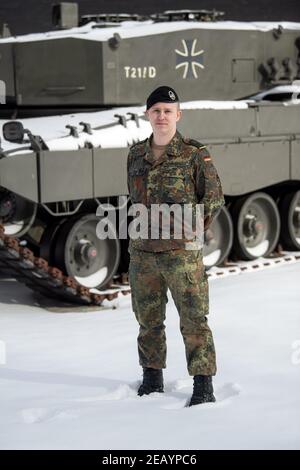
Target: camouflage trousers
182, 271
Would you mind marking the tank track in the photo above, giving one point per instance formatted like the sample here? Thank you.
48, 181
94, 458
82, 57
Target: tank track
19, 262
238, 267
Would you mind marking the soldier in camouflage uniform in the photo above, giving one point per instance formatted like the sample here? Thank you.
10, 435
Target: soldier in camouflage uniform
170, 169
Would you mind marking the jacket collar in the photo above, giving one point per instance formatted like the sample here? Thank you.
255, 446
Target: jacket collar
173, 149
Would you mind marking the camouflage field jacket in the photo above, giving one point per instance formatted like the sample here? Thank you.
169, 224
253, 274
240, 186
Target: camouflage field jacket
183, 175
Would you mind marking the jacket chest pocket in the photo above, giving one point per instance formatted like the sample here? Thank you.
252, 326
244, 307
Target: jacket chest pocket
177, 185
138, 184
172, 189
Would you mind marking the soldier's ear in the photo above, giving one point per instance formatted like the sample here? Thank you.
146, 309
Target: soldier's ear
146, 113
179, 114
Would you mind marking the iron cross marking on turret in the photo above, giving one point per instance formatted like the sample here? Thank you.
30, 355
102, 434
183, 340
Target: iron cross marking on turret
189, 58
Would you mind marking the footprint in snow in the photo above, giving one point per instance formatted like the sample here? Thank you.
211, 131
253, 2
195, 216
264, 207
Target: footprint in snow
39, 415
227, 391
120, 393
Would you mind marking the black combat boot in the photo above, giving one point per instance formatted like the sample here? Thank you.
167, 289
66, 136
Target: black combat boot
203, 391
152, 381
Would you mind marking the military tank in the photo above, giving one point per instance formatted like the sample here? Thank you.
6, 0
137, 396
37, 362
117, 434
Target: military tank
72, 104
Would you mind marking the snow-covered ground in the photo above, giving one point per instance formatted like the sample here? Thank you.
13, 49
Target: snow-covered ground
69, 380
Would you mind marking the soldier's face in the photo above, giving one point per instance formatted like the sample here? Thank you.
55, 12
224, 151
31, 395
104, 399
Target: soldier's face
163, 117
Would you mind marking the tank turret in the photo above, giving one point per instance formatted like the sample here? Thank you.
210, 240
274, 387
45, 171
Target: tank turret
113, 60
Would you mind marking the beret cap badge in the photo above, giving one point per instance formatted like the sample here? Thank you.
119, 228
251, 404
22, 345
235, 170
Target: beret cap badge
162, 94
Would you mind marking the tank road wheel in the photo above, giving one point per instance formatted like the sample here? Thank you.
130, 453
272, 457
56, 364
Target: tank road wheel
289, 208
256, 226
218, 239
80, 253
17, 214
48, 240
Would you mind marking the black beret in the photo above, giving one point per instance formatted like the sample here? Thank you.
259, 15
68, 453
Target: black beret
162, 94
